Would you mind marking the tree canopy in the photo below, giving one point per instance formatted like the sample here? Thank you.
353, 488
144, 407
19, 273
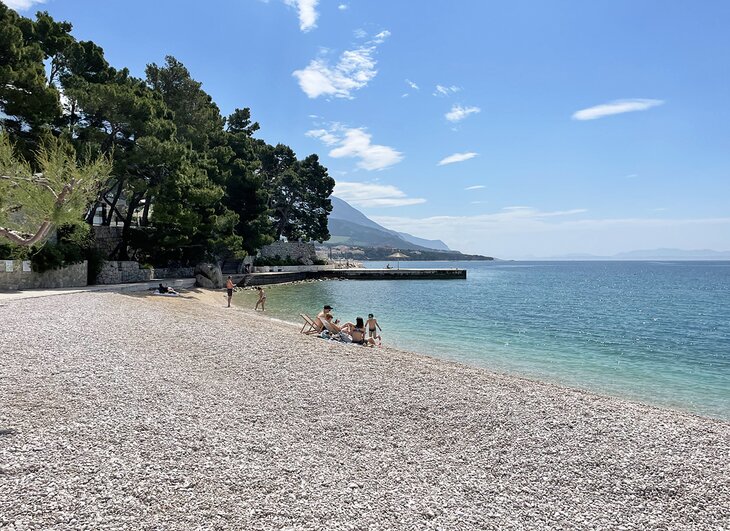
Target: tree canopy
185, 183
31, 204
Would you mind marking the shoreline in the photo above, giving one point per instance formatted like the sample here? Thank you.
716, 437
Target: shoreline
627, 396
145, 411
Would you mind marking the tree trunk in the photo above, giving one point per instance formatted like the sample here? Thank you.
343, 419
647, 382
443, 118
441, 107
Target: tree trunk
146, 212
27, 240
121, 250
113, 205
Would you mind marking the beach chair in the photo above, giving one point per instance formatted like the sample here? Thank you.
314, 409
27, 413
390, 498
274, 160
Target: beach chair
310, 327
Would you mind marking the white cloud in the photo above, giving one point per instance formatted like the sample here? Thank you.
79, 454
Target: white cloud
20, 5
360, 33
356, 143
412, 84
353, 71
457, 157
374, 195
380, 37
458, 113
307, 13
342, 7
475, 187
325, 136
615, 107
441, 90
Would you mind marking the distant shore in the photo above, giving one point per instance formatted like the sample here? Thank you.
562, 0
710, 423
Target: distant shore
143, 412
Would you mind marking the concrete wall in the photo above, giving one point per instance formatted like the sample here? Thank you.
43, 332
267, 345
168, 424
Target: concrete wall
73, 276
296, 250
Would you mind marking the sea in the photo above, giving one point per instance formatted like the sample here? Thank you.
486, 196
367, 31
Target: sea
654, 332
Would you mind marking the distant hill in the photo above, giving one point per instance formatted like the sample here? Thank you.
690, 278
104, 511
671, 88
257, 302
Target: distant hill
349, 226
429, 244
673, 254
647, 254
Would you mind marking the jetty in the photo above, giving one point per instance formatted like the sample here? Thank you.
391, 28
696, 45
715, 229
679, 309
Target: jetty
280, 277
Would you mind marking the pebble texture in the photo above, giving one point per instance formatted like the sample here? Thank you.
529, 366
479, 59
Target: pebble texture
130, 412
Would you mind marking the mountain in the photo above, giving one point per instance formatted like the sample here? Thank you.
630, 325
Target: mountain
645, 254
349, 226
429, 244
673, 254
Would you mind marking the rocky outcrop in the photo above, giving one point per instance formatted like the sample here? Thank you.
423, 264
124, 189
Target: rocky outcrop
208, 276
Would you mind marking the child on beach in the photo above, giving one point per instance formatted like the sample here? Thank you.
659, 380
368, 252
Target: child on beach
372, 324
262, 299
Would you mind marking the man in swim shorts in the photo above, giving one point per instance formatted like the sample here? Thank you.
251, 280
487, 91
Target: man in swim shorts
319, 320
229, 287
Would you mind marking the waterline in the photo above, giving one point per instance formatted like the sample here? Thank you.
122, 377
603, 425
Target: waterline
654, 332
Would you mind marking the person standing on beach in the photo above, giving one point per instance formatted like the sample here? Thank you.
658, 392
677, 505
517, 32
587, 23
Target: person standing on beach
262, 299
372, 323
229, 287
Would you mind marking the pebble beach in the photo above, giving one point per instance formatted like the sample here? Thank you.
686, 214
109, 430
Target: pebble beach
121, 411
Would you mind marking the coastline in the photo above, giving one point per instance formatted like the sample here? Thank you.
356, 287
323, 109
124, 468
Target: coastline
147, 411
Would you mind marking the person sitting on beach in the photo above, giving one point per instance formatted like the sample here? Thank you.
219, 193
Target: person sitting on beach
319, 320
262, 299
357, 331
372, 324
331, 324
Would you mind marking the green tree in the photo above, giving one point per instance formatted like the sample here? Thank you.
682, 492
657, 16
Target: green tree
238, 168
27, 100
58, 194
194, 113
199, 126
298, 193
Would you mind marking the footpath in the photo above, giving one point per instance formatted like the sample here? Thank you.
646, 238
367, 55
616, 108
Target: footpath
177, 283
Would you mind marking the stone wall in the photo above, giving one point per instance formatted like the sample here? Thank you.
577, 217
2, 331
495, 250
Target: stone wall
296, 250
118, 272
291, 269
107, 238
14, 277
174, 272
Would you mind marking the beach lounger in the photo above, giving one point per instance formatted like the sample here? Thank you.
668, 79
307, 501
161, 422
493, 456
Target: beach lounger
310, 327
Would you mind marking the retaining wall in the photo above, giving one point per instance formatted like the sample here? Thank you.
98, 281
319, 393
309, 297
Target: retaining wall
291, 269
121, 272
15, 274
295, 250
107, 238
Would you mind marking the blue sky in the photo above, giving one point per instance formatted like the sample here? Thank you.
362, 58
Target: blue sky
504, 128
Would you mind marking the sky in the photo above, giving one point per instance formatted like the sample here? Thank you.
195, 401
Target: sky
511, 129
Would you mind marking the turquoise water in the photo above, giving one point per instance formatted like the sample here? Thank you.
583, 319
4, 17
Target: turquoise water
657, 332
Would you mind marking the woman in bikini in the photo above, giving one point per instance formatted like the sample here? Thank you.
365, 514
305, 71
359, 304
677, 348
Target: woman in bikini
262, 299
358, 333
